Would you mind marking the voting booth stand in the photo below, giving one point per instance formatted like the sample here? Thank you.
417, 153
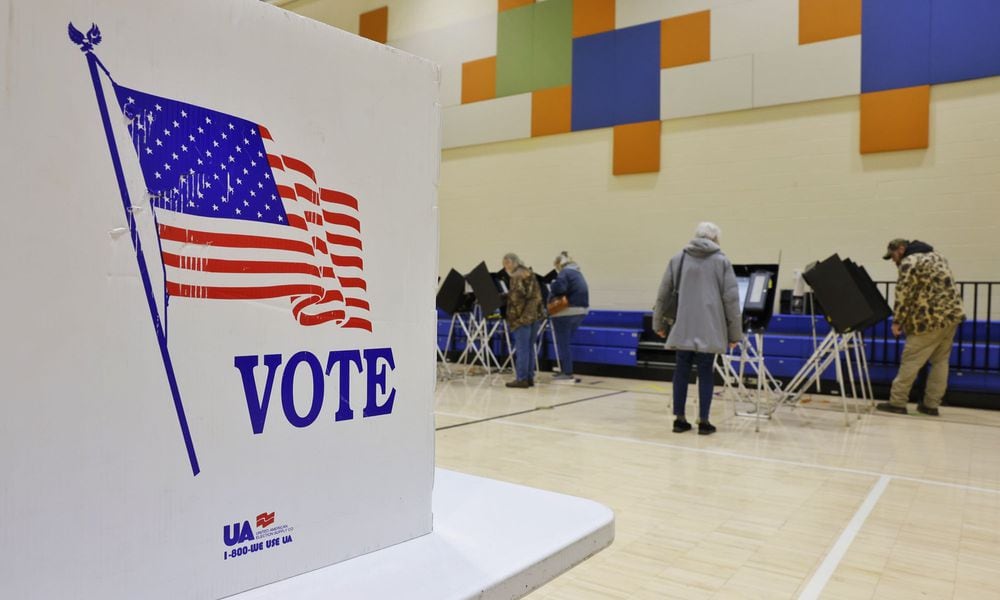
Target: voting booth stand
219, 249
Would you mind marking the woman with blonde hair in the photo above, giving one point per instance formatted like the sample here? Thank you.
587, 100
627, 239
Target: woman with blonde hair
569, 284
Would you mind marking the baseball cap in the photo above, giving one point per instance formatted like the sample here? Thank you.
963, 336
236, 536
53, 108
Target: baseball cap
893, 246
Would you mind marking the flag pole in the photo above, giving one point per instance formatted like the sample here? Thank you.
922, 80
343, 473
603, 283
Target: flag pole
87, 42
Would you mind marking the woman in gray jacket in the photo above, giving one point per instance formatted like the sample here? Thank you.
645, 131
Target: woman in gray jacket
708, 318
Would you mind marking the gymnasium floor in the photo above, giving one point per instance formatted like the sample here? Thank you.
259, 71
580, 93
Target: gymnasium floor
892, 507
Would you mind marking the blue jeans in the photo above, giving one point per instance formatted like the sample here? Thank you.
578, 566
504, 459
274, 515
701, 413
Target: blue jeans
706, 381
524, 351
564, 328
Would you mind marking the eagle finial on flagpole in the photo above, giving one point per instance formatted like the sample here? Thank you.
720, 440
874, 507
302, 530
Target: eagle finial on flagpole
87, 41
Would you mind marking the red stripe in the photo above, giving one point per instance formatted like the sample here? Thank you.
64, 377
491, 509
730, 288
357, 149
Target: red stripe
297, 165
345, 220
315, 299
333, 315
183, 290
353, 282
231, 240
347, 261
264, 133
343, 240
358, 303
275, 162
356, 323
320, 246
219, 265
286, 192
314, 217
307, 193
338, 198
297, 222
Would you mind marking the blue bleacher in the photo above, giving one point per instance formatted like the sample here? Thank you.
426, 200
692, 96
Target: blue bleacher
609, 337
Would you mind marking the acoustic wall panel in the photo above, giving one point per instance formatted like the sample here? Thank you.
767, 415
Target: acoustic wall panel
965, 40
551, 111
515, 36
552, 47
811, 72
895, 119
488, 121
821, 20
593, 16
707, 88
593, 77
374, 24
637, 148
637, 74
752, 27
503, 5
685, 40
479, 79
896, 44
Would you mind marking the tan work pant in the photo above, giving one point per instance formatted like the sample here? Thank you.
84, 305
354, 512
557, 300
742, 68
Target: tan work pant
933, 346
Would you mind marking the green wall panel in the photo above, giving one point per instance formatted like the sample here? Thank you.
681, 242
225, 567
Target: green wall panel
515, 35
552, 63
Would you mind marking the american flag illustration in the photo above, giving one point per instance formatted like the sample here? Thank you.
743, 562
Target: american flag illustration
239, 220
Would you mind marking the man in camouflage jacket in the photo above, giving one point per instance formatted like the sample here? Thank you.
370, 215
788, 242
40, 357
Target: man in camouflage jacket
928, 309
524, 314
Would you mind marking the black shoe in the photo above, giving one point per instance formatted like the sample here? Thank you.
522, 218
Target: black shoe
887, 407
931, 412
706, 428
517, 383
531, 382
680, 426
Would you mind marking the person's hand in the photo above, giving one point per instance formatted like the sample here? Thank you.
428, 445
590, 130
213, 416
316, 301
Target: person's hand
897, 330
732, 345
661, 332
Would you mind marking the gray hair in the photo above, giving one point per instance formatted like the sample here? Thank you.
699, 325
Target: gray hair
708, 231
514, 259
562, 259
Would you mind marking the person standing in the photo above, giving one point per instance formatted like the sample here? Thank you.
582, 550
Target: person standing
524, 312
928, 310
571, 284
708, 318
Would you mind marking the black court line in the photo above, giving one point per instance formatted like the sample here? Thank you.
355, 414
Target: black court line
530, 410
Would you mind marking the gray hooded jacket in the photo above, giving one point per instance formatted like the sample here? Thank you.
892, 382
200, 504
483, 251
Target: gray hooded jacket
708, 308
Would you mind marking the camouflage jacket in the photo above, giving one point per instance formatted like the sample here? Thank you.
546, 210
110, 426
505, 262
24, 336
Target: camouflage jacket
927, 298
524, 303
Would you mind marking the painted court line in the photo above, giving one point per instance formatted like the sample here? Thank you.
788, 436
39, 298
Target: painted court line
833, 558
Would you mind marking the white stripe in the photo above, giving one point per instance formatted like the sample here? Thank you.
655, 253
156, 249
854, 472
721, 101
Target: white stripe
829, 565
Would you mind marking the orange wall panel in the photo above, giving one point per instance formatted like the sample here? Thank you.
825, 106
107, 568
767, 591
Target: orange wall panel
503, 5
593, 16
686, 39
479, 80
637, 148
828, 19
895, 119
374, 24
551, 110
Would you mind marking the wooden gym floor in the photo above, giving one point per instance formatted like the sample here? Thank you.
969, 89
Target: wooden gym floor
892, 507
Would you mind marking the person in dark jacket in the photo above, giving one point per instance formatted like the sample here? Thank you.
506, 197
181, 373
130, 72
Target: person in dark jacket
524, 315
569, 283
708, 319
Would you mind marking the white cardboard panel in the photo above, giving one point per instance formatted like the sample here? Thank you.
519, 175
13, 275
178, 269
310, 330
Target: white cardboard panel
811, 72
706, 88
450, 47
754, 26
497, 120
637, 12
98, 490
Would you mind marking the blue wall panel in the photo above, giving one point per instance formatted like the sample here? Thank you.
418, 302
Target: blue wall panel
965, 40
593, 79
895, 43
637, 74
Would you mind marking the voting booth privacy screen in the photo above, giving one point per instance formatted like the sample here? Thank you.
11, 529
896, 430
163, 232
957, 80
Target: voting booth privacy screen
219, 251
